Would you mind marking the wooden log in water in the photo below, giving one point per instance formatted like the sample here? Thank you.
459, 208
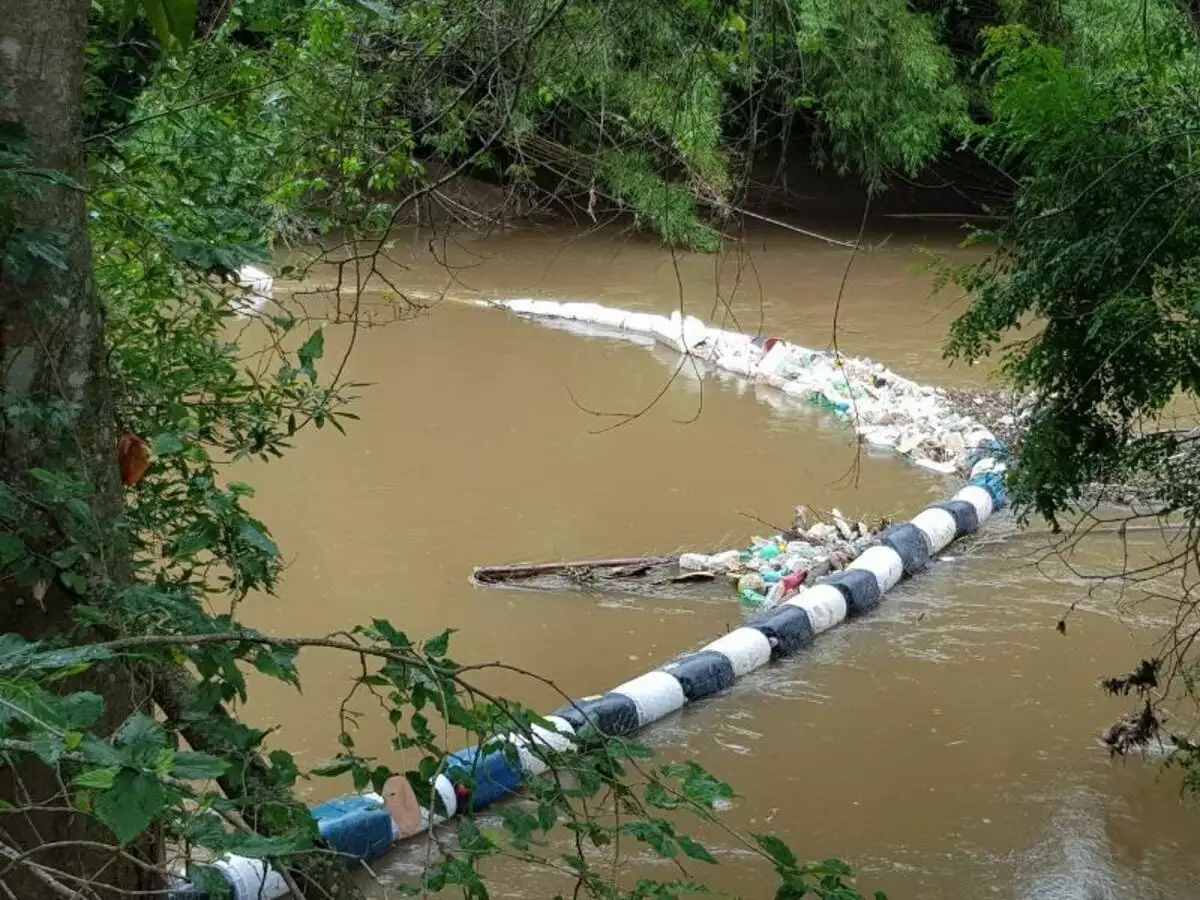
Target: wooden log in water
637, 564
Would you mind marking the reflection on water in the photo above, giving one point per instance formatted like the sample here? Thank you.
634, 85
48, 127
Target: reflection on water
946, 745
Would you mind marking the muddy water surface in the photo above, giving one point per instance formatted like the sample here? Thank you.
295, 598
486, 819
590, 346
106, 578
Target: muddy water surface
946, 746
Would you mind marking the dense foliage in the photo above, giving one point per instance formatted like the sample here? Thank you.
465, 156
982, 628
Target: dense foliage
1096, 259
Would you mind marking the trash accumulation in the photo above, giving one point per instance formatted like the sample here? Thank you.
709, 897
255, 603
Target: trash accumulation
886, 410
763, 574
770, 570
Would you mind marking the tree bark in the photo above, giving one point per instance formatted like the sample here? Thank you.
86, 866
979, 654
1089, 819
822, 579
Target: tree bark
55, 414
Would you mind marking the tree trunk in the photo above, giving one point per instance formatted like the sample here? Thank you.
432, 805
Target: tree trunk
55, 415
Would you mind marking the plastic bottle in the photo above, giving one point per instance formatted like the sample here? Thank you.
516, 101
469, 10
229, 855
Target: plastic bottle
792, 582
753, 598
775, 594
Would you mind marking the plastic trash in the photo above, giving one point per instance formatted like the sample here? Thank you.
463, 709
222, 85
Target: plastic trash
786, 629
752, 583
356, 827
753, 598
250, 879
746, 649
775, 594
694, 562
655, 694
993, 483
701, 674
794, 581
910, 543
613, 715
640, 323
859, 587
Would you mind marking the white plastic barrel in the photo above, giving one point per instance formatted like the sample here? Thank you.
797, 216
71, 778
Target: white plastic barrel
882, 562
655, 694
250, 879
979, 498
560, 739
746, 649
824, 604
938, 527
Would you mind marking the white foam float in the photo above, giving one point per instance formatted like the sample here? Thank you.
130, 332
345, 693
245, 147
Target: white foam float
888, 411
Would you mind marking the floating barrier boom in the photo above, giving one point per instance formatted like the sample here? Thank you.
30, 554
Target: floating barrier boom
361, 827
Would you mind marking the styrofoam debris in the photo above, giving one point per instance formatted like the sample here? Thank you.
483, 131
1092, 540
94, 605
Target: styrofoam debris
887, 410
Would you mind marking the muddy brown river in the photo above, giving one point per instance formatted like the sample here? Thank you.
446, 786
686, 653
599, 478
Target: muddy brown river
947, 746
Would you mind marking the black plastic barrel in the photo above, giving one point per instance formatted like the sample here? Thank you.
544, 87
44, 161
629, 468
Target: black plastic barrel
910, 543
702, 674
613, 715
966, 519
859, 587
787, 628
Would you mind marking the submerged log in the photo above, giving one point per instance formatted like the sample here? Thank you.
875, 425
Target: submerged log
634, 565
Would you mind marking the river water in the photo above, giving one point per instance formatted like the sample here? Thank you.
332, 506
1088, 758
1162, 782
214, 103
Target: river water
945, 746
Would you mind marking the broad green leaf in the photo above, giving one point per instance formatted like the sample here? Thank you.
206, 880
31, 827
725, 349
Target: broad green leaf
12, 548
777, 850
101, 779
172, 19
141, 740
310, 351
695, 850
198, 766
437, 646
69, 657
131, 804
258, 540
167, 443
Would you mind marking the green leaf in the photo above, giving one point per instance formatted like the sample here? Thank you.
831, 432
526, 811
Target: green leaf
258, 540
198, 766
131, 804
310, 351
101, 779
80, 709
658, 833
172, 18
777, 850
695, 850
166, 444
12, 548
141, 738
437, 646
278, 662
333, 769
